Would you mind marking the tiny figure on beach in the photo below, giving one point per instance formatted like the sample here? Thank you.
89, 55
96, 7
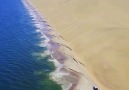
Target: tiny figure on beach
95, 88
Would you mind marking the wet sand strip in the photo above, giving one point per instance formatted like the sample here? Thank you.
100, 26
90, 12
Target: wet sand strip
59, 56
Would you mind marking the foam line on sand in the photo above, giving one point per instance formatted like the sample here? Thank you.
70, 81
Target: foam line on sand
69, 72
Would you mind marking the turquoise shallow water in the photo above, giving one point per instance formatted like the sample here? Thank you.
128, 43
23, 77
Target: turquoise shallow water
21, 66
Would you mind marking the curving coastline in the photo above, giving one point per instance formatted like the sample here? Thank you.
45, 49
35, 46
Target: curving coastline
69, 71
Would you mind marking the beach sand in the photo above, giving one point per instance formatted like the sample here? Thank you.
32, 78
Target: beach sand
98, 33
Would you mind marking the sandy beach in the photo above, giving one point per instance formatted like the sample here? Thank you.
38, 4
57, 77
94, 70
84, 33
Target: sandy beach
69, 71
98, 34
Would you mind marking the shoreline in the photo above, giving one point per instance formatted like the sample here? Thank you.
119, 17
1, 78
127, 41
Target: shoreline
61, 55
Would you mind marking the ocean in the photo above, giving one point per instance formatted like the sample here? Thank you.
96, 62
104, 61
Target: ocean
22, 66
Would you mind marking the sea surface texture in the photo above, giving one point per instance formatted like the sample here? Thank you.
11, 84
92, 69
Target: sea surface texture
22, 66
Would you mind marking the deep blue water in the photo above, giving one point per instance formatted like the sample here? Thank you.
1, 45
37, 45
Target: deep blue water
19, 68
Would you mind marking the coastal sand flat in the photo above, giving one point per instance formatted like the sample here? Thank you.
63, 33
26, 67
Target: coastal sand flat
98, 31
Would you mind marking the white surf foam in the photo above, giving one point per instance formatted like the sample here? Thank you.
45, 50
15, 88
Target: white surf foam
40, 25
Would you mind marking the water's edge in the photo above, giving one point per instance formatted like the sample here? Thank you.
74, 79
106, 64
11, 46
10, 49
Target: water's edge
44, 29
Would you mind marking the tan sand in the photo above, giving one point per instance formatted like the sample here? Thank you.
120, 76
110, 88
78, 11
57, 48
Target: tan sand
98, 32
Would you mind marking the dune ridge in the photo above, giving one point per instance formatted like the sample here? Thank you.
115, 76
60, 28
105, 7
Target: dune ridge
98, 33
